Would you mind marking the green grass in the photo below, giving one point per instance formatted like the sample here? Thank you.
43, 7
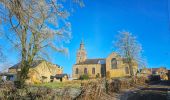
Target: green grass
59, 85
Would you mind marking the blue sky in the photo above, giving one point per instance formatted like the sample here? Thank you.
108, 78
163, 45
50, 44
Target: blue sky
100, 21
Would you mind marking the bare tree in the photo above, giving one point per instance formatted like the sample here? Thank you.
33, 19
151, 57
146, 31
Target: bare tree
129, 48
37, 26
2, 56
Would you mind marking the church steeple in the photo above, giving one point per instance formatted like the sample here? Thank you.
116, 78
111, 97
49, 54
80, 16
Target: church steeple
81, 54
81, 45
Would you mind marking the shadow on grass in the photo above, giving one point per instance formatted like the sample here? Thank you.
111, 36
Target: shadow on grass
156, 89
146, 94
161, 82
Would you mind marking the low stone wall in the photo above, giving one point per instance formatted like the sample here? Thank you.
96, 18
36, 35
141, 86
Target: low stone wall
99, 89
115, 85
103, 89
9, 92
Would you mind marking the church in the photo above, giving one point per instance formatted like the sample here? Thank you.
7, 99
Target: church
114, 65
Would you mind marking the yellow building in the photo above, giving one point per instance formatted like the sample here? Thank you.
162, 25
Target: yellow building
114, 65
40, 71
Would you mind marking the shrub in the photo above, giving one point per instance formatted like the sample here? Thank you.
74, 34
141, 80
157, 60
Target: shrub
17, 84
84, 77
108, 75
113, 86
98, 75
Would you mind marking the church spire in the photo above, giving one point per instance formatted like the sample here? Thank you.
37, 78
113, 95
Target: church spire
81, 54
82, 43
82, 40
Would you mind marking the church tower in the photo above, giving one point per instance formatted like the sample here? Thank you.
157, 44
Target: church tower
81, 54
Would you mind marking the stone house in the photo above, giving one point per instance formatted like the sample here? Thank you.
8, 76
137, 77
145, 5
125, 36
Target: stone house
40, 71
114, 65
59, 78
146, 72
168, 74
159, 71
162, 71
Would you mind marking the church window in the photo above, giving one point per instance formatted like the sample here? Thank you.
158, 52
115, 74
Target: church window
113, 63
127, 70
77, 70
93, 70
85, 70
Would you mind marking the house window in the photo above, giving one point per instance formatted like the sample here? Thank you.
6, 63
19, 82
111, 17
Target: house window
77, 70
113, 63
127, 70
85, 70
93, 70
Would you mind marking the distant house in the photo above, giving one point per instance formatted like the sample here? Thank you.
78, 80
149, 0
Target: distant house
5, 76
59, 77
40, 71
162, 71
146, 72
168, 74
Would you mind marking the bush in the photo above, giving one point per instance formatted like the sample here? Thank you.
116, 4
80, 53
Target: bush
17, 84
108, 75
84, 77
98, 75
114, 86
155, 78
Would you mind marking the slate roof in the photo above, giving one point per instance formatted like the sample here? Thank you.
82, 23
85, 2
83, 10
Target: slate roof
35, 63
93, 61
153, 70
7, 74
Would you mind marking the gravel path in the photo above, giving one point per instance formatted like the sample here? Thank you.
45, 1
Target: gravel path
159, 91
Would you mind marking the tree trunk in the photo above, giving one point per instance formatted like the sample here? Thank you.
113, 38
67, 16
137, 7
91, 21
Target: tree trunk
24, 63
130, 67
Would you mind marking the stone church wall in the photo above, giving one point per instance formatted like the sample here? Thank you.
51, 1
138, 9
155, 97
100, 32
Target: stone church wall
89, 70
119, 71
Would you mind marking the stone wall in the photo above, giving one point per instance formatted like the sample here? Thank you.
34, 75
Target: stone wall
120, 70
118, 73
89, 70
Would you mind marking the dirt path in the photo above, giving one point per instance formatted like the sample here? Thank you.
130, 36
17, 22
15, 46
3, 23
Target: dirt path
158, 91
168, 94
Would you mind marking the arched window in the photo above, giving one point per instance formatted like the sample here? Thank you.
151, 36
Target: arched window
85, 70
113, 63
93, 70
77, 70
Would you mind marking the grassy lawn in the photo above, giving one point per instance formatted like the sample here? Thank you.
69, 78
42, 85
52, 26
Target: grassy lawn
70, 84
